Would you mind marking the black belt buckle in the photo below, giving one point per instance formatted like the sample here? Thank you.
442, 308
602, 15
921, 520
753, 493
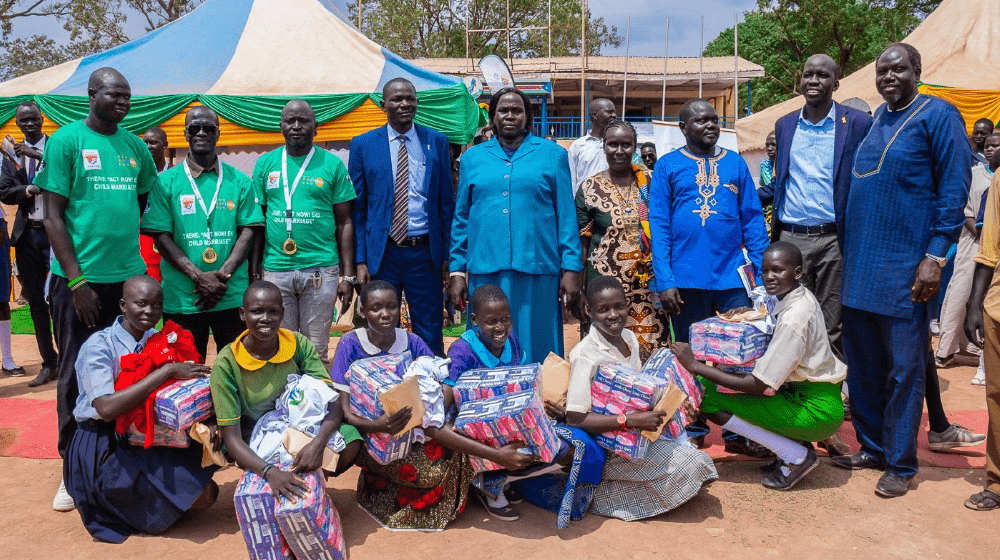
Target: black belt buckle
414, 241
821, 229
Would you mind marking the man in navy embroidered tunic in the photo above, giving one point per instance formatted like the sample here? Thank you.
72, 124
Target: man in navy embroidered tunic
909, 185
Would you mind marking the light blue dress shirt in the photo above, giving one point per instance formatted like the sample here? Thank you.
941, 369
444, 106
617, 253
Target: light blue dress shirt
809, 192
417, 198
99, 363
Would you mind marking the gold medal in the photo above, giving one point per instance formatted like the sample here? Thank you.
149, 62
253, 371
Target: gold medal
289, 247
209, 255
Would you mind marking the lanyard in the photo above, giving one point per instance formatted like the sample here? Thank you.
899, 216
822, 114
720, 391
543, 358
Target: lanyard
197, 195
295, 183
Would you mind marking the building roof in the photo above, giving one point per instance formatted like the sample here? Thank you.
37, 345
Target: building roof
680, 70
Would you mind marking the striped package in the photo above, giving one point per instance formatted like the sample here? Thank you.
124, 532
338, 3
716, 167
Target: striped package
662, 364
619, 389
368, 379
477, 384
162, 437
497, 421
181, 404
311, 525
725, 342
255, 512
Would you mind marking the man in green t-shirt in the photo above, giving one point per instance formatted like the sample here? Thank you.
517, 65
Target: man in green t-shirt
201, 215
96, 176
309, 233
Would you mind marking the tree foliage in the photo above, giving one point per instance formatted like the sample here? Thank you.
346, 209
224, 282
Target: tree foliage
781, 34
92, 25
436, 28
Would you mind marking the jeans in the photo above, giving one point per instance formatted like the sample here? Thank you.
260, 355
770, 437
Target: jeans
309, 296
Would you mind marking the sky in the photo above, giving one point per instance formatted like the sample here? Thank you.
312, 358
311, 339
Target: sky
648, 23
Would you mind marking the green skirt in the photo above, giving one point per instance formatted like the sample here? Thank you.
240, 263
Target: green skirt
801, 410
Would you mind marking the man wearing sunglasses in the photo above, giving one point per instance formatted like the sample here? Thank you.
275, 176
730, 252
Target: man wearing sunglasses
202, 216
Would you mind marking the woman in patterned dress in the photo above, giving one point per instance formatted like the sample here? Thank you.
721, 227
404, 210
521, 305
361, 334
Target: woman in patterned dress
610, 208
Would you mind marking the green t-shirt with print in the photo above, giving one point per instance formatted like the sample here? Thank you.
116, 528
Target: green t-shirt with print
102, 177
324, 183
174, 209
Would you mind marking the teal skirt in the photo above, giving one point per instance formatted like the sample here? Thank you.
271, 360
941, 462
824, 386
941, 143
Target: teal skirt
534, 307
801, 410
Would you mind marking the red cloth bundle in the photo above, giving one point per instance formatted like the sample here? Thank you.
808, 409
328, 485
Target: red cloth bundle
173, 344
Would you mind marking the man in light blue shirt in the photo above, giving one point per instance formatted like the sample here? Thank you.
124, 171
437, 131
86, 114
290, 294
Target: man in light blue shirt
402, 216
809, 193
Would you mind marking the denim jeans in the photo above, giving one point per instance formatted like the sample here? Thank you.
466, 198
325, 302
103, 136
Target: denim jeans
309, 296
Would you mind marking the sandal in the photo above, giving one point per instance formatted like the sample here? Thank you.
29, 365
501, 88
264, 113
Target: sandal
982, 501
505, 513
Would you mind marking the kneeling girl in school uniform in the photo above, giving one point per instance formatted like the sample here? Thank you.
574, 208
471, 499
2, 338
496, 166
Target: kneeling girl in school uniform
798, 364
119, 489
250, 375
672, 472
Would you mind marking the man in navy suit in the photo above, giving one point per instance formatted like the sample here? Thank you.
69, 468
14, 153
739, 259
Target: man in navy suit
402, 216
813, 174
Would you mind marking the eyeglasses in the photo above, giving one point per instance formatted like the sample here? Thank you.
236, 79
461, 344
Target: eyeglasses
194, 129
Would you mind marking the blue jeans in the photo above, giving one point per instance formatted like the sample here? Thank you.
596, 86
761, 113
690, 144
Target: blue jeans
698, 306
309, 296
886, 369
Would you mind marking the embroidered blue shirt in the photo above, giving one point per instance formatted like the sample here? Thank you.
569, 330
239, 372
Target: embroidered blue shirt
702, 212
909, 187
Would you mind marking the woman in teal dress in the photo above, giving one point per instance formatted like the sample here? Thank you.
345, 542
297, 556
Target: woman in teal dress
515, 225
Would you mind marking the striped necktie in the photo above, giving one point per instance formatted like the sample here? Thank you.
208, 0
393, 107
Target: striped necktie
397, 231
31, 169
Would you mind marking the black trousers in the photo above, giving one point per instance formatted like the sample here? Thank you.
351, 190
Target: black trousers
71, 334
32, 257
225, 326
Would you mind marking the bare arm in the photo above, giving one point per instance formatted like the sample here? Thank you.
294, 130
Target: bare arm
114, 405
345, 244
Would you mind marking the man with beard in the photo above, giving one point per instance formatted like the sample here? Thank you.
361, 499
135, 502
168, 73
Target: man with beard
910, 183
309, 232
201, 216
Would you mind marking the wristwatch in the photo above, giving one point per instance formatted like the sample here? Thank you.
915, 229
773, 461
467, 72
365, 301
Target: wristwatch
351, 279
942, 261
622, 421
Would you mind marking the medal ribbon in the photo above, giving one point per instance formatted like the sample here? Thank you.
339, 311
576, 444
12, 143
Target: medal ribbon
295, 184
201, 201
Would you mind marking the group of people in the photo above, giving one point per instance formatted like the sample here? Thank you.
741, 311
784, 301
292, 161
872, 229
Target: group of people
865, 209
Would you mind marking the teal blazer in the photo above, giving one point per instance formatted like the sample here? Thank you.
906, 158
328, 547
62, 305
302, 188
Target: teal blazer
515, 213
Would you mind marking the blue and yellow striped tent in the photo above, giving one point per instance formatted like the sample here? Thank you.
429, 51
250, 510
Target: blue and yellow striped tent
245, 59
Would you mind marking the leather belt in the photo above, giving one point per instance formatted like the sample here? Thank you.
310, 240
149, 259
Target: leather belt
810, 230
36, 224
424, 239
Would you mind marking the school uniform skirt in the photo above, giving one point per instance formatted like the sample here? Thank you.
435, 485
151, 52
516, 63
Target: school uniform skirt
800, 410
121, 490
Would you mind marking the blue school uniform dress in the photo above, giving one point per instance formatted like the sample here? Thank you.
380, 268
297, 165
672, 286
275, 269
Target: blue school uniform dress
909, 186
119, 489
702, 212
568, 495
355, 346
515, 227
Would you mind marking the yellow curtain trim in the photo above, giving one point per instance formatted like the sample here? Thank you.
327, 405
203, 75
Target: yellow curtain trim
973, 104
286, 350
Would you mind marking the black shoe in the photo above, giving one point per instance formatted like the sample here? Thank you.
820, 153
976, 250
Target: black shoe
44, 376
513, 496
505, 513
744, 446
858, 461
770, 467
16, 371
891, 485
778, 480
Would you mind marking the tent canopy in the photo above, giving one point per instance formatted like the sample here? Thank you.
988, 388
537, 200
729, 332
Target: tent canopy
245, 59
959, 46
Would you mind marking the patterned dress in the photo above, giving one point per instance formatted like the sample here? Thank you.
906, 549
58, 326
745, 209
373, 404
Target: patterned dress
610, 216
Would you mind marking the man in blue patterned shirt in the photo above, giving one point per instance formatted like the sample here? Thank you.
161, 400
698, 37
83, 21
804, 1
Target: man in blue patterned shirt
909, 185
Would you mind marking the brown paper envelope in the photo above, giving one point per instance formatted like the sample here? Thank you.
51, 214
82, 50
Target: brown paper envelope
555, 379
200, 433
294, 441
406, 394
671, 400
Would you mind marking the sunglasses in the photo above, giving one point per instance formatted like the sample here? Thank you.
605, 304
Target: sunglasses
194, 129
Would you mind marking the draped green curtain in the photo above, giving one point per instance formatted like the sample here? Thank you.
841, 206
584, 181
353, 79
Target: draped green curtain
450, 110
8, 106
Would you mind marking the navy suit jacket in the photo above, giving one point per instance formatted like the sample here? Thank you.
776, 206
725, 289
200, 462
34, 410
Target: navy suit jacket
851, 126
370, 168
